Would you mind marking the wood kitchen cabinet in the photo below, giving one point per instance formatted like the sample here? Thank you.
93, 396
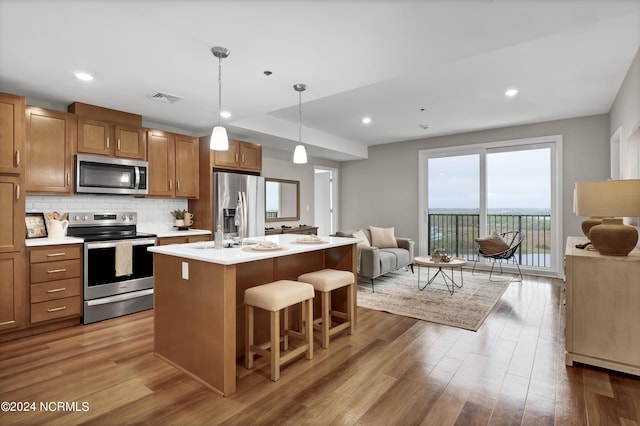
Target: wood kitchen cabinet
12, 227
50, 146
163, 241
601, 308
55, 277
11, 291
240, 156
173, 165
11, 133
115, 140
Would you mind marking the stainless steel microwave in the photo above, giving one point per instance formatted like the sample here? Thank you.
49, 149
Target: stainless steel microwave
105, 175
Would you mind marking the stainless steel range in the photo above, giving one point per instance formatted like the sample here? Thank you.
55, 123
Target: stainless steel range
117, 268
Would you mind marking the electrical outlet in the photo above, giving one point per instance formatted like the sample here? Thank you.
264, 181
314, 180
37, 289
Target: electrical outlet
185, 270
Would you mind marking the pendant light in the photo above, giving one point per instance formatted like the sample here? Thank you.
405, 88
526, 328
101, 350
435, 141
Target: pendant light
300, 153
219, 140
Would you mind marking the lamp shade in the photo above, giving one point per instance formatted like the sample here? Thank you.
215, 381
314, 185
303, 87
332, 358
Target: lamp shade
609, 198
300, 155
219, 140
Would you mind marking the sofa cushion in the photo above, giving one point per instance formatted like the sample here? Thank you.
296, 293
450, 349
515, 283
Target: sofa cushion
402, 256
492, 244
363, 238
387, 261
383, 237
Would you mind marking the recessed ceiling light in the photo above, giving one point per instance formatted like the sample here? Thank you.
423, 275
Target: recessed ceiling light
83, 76
511, 93
225, 114
366, 120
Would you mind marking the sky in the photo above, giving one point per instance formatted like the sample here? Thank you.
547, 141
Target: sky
517, 179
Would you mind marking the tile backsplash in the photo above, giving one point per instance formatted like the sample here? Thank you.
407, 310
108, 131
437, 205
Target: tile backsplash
150, 210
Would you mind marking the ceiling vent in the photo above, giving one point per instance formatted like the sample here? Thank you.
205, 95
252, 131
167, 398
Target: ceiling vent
164, 97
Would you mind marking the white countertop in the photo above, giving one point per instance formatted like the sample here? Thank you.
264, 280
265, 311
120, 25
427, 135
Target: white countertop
206, 252
37, 242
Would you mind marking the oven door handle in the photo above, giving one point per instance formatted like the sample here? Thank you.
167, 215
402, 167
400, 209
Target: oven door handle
113, 244
119, 297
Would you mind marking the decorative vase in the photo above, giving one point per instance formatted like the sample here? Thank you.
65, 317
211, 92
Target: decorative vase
613, 238
179, 223
590, 223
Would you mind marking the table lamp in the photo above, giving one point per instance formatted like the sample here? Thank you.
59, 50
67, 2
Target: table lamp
610, 199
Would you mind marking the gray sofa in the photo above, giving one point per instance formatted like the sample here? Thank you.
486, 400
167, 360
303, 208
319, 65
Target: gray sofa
375, 261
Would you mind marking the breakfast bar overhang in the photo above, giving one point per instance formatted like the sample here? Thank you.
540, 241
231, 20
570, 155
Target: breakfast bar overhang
199, 297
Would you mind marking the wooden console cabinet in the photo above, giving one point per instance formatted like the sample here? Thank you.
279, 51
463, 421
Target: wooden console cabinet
602, 308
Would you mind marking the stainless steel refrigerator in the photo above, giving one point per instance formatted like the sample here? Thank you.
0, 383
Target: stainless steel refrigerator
238, 204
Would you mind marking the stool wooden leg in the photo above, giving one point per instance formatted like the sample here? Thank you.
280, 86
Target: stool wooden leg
248, 341
275, 346
285, 327
351, 308
326, 318
309, 324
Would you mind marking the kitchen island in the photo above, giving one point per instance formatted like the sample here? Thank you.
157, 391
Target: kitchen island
199, 293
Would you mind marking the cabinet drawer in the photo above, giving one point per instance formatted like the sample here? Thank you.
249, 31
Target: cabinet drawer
55, 253
51, 271
56, 290
44, 311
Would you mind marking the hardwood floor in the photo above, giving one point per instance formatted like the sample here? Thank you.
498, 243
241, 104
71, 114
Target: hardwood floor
394, 370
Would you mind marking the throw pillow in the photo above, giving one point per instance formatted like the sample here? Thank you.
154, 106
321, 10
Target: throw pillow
383, 237
492, 244
363, 238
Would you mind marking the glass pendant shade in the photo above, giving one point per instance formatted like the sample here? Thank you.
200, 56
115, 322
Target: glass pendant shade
300, 155
219, 140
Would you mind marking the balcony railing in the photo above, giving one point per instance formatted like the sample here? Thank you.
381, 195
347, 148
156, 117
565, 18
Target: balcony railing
455, 233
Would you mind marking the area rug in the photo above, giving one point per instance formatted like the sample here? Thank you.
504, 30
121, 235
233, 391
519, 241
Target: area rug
397, 293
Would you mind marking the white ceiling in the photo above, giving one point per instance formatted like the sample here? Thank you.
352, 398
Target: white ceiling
383, 59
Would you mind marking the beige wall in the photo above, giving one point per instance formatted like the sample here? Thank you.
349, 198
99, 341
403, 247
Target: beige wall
383, 190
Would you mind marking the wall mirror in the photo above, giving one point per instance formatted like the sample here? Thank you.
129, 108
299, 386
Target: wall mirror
282, 200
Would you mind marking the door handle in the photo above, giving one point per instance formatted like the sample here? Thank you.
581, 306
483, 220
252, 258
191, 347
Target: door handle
178, 185
18, 158
68, 180
61, 308
17, 192
56, 290
118, 144
54, 271
170, 184
56, 254
107, 142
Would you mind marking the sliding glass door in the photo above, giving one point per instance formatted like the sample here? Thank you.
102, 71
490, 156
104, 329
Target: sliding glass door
468, 192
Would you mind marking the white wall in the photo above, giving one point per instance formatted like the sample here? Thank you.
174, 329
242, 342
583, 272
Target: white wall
383, 190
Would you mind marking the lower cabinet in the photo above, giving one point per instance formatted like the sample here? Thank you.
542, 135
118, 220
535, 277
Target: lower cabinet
163, 241
55, 278
11, 291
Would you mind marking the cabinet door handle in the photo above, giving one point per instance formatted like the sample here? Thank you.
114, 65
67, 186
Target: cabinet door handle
56, 254
54, 271
170, 184
236, 157
17, 192
243, 158
61, 308
118, 144
68, 180
17, 158
107, 142
56, 290
178, 185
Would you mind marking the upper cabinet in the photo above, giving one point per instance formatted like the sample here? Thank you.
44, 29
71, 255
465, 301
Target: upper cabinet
173, 165
103, 131
50, 145
11, 133
115, 140
240, 156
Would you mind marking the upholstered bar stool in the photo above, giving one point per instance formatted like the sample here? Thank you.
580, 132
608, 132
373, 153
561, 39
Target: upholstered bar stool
324, 282
275, 297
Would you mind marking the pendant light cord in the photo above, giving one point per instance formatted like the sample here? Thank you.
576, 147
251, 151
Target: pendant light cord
300, 116
220, 91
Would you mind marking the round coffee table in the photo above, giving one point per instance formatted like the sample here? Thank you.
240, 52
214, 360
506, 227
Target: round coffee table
449, 280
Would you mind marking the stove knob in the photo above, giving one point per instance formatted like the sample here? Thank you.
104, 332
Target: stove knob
124, 217
85, 217
76, 218
130, 217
